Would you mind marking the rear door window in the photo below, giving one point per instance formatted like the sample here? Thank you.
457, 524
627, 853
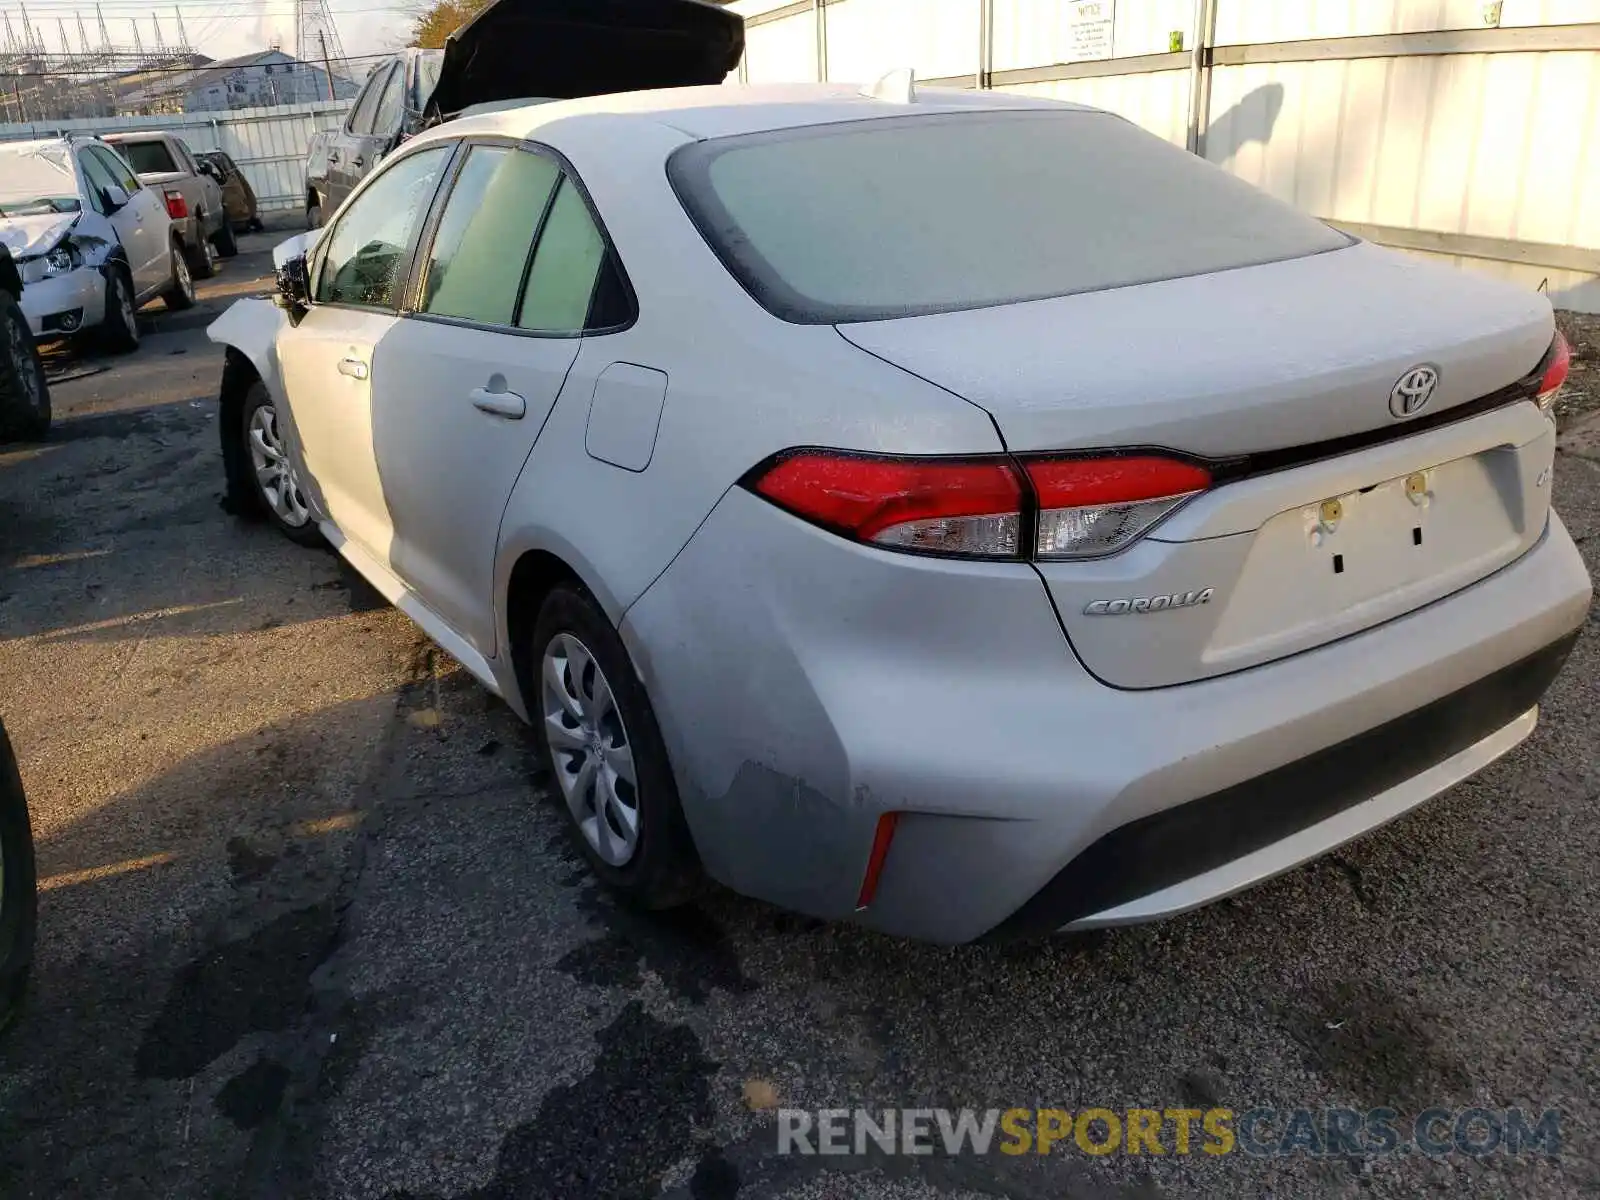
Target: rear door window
479, 254
566, 267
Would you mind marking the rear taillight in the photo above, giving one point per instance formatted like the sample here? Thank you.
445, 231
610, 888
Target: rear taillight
941, 506
177, 206
1553, 371
1094, 506
1078, 507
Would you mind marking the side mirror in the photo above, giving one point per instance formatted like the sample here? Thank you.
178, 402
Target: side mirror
294, 289
114, 198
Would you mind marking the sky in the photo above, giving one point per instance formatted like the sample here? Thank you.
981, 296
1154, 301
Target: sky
219, 28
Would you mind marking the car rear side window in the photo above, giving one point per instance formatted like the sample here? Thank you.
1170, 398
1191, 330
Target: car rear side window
566, 267
148, 158
368, 247
476, 263
892, 217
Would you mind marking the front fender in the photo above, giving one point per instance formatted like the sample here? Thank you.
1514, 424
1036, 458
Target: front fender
251, 327
249, 331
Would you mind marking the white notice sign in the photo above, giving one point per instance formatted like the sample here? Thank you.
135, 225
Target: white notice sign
1089, 25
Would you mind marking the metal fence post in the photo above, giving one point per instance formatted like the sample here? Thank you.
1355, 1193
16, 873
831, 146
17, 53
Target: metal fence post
1200, 77
819, 16
985, 73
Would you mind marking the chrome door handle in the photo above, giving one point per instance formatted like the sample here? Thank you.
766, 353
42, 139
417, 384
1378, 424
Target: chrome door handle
353, 367
501, 404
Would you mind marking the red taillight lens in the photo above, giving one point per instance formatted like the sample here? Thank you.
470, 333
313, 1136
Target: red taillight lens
177, 206
1557, 362
1094, 506
932, 505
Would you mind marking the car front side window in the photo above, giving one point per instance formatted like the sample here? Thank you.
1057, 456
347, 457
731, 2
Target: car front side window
476, 263
367, 250
120, 172
96, 179
367, 103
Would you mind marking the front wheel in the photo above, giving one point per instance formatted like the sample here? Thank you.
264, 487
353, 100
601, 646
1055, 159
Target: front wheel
24, 394
119, 332
273, 489
226, 243
598, 733
18, 895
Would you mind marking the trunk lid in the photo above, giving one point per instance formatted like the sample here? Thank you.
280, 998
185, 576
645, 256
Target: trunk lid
1282, 357
563, 49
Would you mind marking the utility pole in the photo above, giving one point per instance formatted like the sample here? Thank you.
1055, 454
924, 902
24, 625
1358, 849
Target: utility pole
105, 34
327, 70
83, 34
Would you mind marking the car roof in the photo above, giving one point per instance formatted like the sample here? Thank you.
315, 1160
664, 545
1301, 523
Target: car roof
135, 135
723, 110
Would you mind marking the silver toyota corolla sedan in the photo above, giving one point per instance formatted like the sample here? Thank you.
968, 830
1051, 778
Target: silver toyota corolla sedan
958, 513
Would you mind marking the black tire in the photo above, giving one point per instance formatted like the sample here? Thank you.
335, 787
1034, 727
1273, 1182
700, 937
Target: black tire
180, 292
246, 493
664, 870
314, 211
19, 901
226, 243
119, 331
24, 391
201, 265
254, 225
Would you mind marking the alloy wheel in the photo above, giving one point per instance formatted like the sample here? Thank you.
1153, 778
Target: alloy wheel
275, 474
180, 272
590, 750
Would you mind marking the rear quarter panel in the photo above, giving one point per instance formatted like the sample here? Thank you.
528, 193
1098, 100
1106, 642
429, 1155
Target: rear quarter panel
742, 385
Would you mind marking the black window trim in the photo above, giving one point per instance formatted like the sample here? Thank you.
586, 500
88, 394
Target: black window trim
411, 309
403, 277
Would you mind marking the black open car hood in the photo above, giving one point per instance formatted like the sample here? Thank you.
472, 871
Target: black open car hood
561, 49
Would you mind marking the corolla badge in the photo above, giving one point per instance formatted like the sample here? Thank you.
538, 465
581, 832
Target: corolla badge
1148, 604
1413, 391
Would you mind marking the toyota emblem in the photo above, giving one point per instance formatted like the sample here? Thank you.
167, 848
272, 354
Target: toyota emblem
1412, 393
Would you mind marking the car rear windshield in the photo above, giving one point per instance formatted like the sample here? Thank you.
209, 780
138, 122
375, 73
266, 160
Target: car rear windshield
148, 158
893, 217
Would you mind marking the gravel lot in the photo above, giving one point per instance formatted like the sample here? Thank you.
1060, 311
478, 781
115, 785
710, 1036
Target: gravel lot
309, 927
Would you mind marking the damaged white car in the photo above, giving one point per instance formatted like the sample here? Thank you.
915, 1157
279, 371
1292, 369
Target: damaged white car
92, 243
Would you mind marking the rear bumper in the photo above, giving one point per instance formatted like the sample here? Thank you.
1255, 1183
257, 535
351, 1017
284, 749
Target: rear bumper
805, 686
1202, 850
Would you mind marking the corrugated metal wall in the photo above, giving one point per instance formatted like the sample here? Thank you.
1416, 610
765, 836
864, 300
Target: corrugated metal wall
268, 144
1496, 145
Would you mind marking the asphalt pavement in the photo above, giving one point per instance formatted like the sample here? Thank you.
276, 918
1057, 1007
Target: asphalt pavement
310, 925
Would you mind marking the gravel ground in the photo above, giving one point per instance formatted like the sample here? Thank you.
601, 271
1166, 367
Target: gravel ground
310, 927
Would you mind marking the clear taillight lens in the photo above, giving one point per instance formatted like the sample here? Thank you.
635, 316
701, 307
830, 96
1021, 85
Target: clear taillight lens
1094, 506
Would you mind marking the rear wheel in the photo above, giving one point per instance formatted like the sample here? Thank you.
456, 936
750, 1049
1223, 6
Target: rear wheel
180, 293
314, 211
119, 332
274, 489
226, 243
24, 394
202, 259
18, 896
599, 736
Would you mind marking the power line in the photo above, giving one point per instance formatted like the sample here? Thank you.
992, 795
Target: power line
172, 70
